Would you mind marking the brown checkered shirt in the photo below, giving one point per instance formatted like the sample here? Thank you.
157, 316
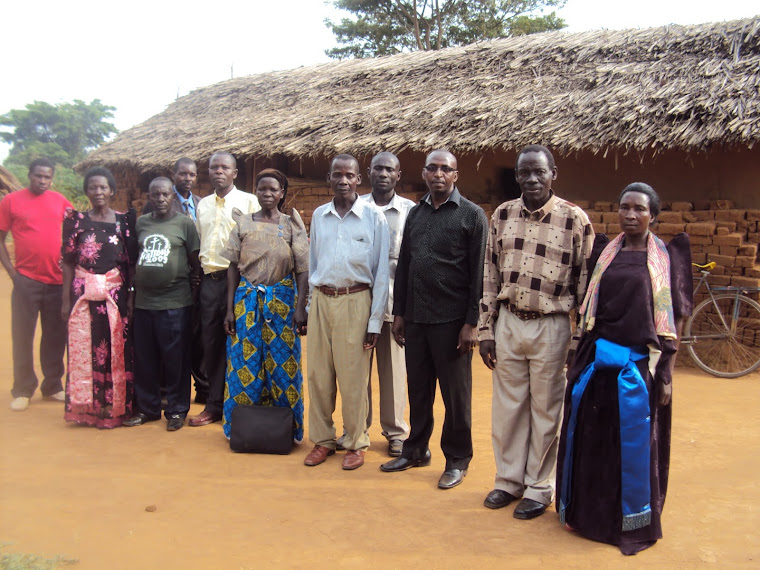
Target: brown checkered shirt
535, 260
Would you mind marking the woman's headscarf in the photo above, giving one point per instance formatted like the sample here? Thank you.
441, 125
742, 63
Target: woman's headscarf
277, 175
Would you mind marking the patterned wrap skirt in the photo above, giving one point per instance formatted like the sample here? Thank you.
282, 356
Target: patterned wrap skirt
264, 354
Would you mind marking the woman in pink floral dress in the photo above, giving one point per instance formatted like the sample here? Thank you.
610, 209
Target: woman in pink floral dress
98, 248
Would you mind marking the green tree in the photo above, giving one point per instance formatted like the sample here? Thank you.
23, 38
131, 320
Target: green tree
385, 27
65, 133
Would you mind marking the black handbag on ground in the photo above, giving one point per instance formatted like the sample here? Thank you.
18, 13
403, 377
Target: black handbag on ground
261, 429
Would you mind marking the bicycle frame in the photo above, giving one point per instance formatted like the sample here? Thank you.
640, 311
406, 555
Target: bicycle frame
723, 320
720, 289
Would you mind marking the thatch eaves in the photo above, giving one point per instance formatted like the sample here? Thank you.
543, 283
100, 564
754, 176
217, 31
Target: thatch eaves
672, 87
8, 182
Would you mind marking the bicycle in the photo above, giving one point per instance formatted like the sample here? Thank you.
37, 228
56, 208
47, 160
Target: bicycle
723, 333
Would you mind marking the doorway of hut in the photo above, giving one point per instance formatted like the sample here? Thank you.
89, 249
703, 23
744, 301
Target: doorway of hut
508, 184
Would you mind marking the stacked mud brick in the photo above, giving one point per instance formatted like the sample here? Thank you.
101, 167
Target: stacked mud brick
718, 232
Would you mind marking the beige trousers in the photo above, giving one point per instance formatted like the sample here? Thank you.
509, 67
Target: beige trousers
528, 393
337, 360
391, 371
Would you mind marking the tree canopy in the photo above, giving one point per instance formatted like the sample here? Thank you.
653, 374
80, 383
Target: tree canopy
64, 133
386, 27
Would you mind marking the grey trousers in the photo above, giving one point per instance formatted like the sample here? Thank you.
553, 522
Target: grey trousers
528, 393
30, 299
391, 372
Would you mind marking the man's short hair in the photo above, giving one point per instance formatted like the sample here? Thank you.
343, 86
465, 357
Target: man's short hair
344, 157
44, 162
159, 180
537, 148
440, 151
386, 153
225, 153
184, 160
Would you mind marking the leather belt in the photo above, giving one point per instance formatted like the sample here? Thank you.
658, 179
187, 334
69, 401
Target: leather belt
216, 275
523, 315
337, 291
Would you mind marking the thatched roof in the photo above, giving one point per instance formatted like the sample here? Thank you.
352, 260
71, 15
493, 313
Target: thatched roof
8, 182
685, 87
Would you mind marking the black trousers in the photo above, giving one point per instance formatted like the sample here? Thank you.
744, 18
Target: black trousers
213, 299
162, 351
196, 356
200, 379
431, 352
30, 299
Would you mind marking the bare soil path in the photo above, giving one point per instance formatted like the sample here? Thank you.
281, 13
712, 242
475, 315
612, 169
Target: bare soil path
82, 493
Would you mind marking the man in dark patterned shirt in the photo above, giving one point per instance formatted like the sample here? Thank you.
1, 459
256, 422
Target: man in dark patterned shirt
535, 273
438, 286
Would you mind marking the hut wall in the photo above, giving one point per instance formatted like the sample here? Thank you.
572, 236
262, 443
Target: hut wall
717, 202
719, 175
487, 178
129, 193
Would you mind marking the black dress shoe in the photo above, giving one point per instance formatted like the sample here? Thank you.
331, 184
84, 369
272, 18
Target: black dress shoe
139, 419
497, 499
529, 509
402, 463
395, 447
175, 422
451, 478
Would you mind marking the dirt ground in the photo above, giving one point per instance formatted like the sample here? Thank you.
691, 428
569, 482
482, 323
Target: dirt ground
82, 493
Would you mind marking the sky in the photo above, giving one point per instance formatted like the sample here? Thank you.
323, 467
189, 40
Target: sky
139, 56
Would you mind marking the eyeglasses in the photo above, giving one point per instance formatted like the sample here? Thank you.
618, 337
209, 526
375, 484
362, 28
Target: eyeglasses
433, 168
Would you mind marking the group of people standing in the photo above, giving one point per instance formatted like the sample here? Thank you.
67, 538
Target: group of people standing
418, 286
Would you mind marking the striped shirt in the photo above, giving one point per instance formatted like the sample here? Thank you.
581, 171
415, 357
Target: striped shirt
536, 261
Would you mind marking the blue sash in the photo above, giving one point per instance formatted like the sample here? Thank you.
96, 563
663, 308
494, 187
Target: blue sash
633, 402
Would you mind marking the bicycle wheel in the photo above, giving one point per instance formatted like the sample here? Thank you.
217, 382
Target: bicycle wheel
725, 350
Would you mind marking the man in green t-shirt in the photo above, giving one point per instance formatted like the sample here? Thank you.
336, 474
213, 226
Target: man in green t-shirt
162, 299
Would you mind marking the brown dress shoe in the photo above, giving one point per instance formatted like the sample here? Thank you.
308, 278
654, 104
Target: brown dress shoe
203, 419
354, 459
318, 455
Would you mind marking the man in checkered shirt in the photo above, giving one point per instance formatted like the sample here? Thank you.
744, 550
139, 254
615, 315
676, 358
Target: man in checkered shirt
535, 272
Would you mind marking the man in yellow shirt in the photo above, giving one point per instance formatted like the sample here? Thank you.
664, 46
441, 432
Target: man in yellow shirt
214, 223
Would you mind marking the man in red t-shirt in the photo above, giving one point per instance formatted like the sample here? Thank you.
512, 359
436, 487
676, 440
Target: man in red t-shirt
34, 216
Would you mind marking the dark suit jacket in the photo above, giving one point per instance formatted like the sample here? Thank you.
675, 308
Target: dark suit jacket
176, 205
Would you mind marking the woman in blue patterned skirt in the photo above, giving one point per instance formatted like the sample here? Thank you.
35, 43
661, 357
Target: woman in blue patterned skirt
267, 287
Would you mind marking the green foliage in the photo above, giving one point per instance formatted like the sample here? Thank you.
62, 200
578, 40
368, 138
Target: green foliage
524, 25
65, 132
31, 561
385, 27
